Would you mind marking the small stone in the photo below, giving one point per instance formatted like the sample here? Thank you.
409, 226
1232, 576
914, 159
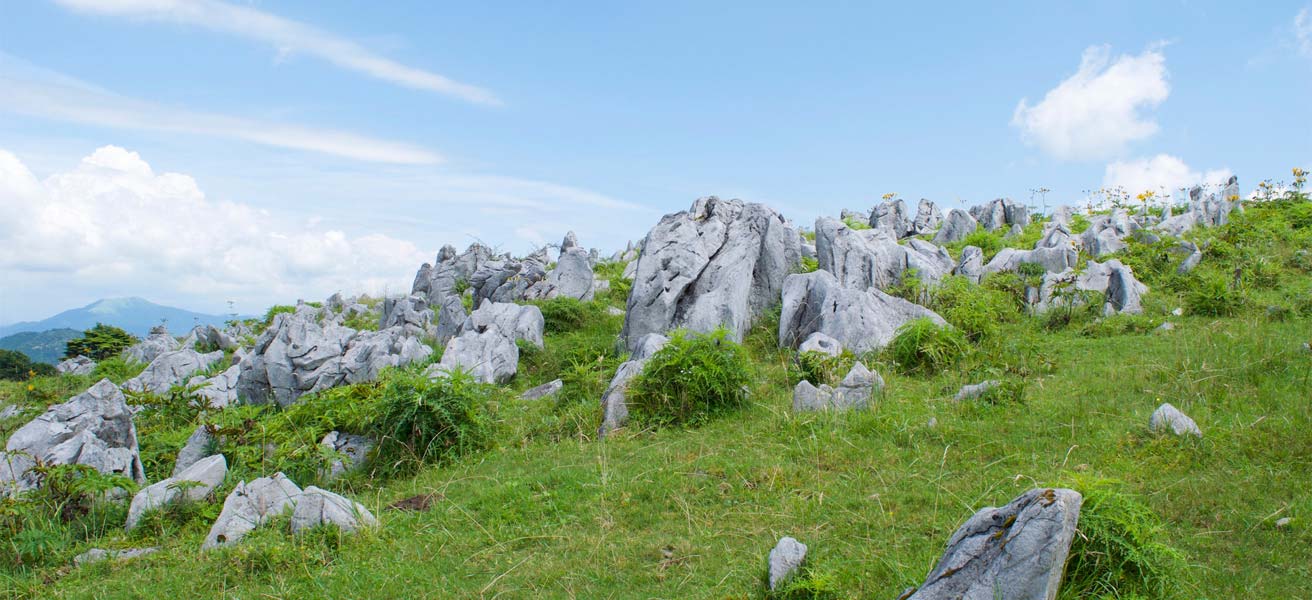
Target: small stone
96, 555
785, 560
933, 422
819, 342
551, 388
1283, 522
1169, 416
972, 391
1167, 326
1178, 311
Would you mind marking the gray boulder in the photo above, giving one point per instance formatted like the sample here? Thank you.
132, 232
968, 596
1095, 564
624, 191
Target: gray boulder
516, 321
353, 450
1000, 213
720, 263
193, 483
971, 264
490, 356
956, 227
450, 319
317, 507
861, 320
208, 338
1053, 260
170, 369
546, 390
250, 505
571, 278
928, 218
785, 561
1121, 291
78, 365
410, 313
819, 342
506, 279
891, 217
199, 445
93, 428
1168, 417
218, 391
1064, 216
975, 390
158, 342
853, 393
615, 413
1016, 552
441, 279
1056, 235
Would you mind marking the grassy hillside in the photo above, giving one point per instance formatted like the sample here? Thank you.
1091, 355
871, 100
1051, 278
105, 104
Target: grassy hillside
546, 510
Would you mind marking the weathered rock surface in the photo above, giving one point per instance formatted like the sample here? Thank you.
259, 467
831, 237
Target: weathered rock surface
975, 390
249, 506
78, 365
1168, 417
170, 369
158, 342
614, 411
507, 280
208, 338
873, 258
354, 449
198, 446
785, 561
96, 555
891, 217
1122, 292
956, 227
861, 320
546, 390
450, 318
193, 483
489, 356
854, 392
1000, 214
93, 428
317, 506
971, 264
572, 276
720, 263
438, 280
819, 342
1053, 260
516, 321
1017, 552
410, 313
218, 391
928, 218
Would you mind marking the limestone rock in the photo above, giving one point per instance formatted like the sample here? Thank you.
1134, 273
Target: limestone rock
571, 278
1167, 416
96, 555
873, 258
198, 446
956, 227
158, 342
853, 393
1053, 260
928, 218
410, 313
450, 318
490, 356
975, 390
891, 217
546, 390
507, 280
785, 560
317, 506
448, 272
353, 448
971, 265
861, 320
516, 321
169, 369
615, 413
720, 263
1000, 213
78, 365
819, 342
249, 506
204, 477
218, 391
1017, 552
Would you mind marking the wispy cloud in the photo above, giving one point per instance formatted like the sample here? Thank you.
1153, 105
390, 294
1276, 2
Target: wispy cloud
29, 90
1303, 32
287, 36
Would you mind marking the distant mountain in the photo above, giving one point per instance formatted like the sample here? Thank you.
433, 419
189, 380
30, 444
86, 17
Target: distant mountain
45, 346
135, 315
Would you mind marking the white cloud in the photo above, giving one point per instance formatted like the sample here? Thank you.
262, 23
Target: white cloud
1163, 174
1100, 109
33, 91
287, 37
112, 226
1303, 32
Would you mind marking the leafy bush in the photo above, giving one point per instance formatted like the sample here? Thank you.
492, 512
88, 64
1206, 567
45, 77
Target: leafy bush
855, 223
927, 347
16, 366
1120, 548
808, 264
806, 584
689, 381
99, 343
1008, 391
117, 370
910, 287
989, 243
1008, 283
1214, 296
561, 315
978, 311
423, 421
276, 310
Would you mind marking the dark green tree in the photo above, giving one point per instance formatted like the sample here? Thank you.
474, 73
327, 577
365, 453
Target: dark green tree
15, 366
100, 342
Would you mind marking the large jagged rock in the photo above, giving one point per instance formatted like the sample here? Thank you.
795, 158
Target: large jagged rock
1056, 235
1053, 260
208, 338
614, 410
93, 428
1000, 214
410, 313
1212, 211
297, 355
490, 356
571, 278
956, 227
317, 507
193, 483
1106, 233
219, 391
853, 393
891, 217
199, 445
448, 272
720, 263
450, 318
785, 561
928, 218
1121, 291
516, 321
249, 506
170, 369
1016, 552
1063, 215
971, 264
873, 258
508, 280
1169, 418
354, 449
158, 342
861, 320
78, 365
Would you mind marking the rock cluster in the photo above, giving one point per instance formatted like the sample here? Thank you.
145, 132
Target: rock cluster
861, 320
253, 504
169, 369
853, 393
78, 365
158, 342
193, 483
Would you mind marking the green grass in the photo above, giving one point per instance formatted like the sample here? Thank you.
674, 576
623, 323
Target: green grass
548, 511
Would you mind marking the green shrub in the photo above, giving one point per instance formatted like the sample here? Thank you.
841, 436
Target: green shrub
924, 346
989, 243
855, 224
809, 264
1008, 283
561, 315
117, 370
691, 380
40, 528
276, 310
16, 366
978, 311
1214, 296
1008, 391
818, 367
806, 584
910, 287
1120, 548
99, 343
424, 421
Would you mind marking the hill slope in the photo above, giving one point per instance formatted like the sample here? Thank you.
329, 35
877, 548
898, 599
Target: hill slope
40, 346
136, 315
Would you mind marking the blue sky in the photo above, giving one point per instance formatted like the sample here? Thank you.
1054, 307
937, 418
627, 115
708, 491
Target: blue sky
316, 147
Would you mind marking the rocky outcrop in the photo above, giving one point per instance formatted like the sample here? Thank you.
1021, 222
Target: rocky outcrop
1168, 418
78, 365
891, 218
193, 483
198, 446
93, 428
861, 320
158, 342
971, 264
1053, 260
449, 320
490, 356
516, 321
1000, 214
170, 369
1017, 551
873, 258
506, 279
250, 505
956, 227
1122, 292
572, 276
297, 355
350, 452
410, 313
720, 263
614, 410
546, 390
853, 393
218, 391
448, 272
315, 507
1211, 211
819, 342
208, 338
1106, 233
928, 218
